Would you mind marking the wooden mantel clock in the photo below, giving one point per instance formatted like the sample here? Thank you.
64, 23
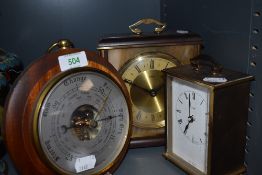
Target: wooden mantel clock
207, 109
68, 113
140, 57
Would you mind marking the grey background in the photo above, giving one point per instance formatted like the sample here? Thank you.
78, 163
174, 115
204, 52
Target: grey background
29, 27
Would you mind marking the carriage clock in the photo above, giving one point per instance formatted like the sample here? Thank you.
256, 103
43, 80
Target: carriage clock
68, 113
140, 57
207, 109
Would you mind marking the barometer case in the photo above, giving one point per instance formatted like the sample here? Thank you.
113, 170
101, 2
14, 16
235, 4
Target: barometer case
207, 109
140, 58
67, 113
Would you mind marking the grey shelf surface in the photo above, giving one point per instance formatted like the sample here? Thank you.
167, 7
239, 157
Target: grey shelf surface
146, 161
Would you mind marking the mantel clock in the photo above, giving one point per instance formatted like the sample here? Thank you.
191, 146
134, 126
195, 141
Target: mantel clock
140, 57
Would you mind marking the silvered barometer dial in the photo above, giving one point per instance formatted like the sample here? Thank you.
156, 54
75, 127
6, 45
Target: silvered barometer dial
82, 122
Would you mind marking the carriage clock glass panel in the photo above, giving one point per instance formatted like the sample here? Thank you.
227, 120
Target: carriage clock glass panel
78, 136
190, 110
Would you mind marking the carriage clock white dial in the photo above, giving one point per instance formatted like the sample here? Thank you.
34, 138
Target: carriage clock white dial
82, 122
190, 123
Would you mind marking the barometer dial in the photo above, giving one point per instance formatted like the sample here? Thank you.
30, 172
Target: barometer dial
81, 117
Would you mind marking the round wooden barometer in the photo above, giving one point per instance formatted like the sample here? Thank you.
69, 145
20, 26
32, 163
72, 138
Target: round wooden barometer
68, 113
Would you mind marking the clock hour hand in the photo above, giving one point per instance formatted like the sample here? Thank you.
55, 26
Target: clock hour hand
191, 120
139, 87
159, 88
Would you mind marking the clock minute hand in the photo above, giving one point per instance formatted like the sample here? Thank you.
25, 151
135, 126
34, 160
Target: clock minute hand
131, 83
189, 105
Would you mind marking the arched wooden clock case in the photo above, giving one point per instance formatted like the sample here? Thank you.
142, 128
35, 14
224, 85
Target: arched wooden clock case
22, 102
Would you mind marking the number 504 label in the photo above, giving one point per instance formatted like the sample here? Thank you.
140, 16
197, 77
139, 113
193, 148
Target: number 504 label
72, 60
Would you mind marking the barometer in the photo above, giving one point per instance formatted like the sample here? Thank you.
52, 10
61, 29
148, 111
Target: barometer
68, 113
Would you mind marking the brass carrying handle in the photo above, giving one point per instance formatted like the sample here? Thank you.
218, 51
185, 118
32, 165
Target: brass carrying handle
201, 61
61, 44
134, 27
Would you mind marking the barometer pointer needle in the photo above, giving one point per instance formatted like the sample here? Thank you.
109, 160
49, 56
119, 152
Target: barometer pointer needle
100, 110
65, 128
103, 105
106, 118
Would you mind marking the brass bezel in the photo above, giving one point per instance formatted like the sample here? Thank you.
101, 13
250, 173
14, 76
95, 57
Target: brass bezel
40, 100
139, 58
146, 55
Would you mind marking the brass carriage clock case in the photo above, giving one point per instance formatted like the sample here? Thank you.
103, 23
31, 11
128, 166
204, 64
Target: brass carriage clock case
207, 109
140, 57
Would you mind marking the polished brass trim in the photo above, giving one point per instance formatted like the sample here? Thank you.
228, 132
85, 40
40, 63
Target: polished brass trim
182, 164
134, 27
146, 55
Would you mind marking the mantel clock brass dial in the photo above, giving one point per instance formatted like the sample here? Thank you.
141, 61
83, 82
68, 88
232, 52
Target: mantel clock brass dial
69, 114
145, 82
140, 57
